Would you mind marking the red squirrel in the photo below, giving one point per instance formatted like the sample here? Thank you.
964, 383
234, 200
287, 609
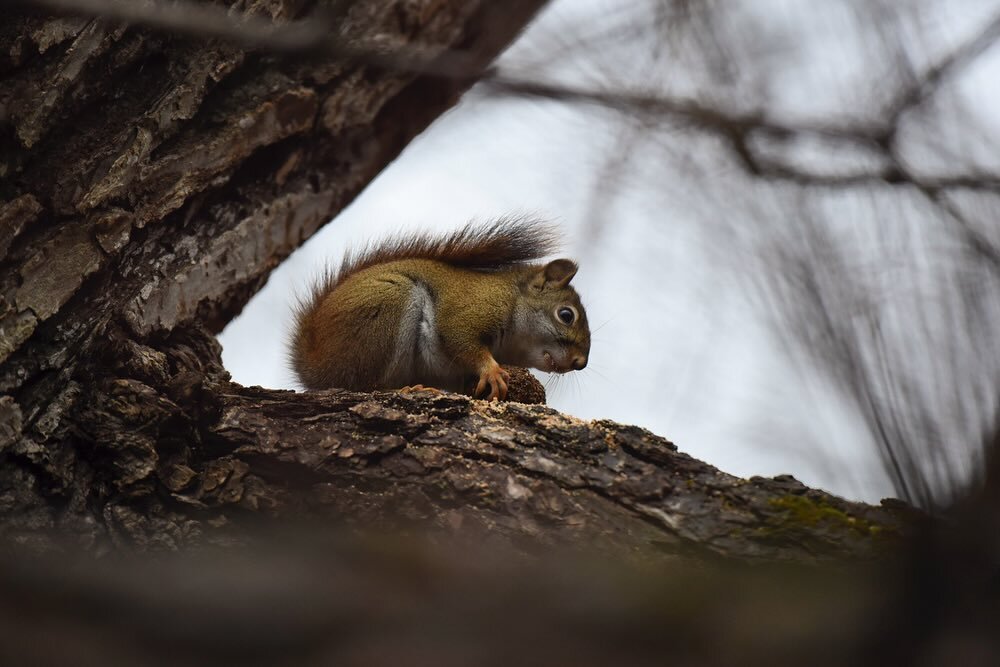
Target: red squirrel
443, 312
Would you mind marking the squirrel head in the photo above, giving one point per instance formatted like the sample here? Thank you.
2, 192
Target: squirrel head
552, 330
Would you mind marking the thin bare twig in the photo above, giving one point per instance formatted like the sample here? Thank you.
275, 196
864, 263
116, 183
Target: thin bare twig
916, 94
691, 111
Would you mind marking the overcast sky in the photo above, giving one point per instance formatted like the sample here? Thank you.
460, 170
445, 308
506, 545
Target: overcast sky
677, 346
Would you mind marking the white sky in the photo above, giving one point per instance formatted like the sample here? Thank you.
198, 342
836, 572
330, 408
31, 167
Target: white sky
676, 347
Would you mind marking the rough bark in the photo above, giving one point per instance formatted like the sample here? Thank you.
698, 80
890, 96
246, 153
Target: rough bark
151, 183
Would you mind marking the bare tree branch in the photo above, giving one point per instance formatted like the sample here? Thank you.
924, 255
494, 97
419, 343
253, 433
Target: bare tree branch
925, 86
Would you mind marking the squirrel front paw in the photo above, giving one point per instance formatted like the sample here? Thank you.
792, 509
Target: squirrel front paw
496, 378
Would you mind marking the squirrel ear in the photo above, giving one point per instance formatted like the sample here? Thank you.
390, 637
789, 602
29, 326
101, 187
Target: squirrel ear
555, 274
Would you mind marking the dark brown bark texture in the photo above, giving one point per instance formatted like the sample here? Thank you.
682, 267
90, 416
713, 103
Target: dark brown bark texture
151, 181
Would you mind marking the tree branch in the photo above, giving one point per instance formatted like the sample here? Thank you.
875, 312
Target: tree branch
211, 449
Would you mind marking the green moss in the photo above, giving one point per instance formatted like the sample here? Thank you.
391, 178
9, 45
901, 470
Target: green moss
810, 512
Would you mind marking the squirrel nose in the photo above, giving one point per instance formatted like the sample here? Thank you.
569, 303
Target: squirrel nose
579, 361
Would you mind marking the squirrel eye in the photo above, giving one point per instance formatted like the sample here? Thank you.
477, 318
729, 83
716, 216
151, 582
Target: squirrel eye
566, 315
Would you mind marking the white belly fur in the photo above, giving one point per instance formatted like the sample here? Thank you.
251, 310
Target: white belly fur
418, 356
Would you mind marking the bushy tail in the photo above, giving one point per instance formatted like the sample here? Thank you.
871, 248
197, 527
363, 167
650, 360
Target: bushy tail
499, 244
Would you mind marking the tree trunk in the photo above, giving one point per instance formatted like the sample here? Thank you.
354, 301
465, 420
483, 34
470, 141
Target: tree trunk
151, 183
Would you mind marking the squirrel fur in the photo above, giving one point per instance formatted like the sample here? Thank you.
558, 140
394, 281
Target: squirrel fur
443, 312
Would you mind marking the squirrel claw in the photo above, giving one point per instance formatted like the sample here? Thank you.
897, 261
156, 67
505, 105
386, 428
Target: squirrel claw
497, 379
